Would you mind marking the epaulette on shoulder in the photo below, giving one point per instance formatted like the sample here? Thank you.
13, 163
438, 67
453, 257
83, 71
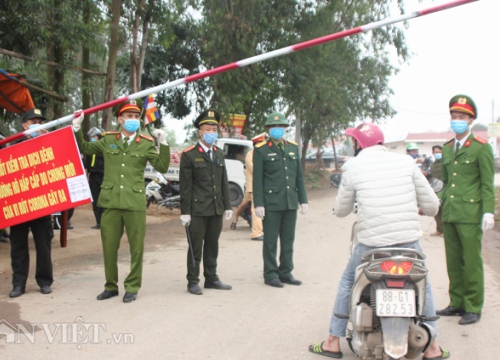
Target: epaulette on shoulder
146, 137
262, 143
448, 142
293, 143
189, 148
480, 140
111, 132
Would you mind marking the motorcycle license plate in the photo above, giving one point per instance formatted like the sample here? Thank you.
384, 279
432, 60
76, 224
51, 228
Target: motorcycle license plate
395, 303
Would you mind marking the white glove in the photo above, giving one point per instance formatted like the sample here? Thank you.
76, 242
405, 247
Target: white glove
260, 212
77, 121
303, 208
185, 220
160, 135
229, 214
488, 221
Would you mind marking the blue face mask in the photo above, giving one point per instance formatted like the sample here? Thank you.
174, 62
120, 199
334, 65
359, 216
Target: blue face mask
414, 155
93, 139
277, 133
438, 156
210, 138
34, 126
131, 125
459, 126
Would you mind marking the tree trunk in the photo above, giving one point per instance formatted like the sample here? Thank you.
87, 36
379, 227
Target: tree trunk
111, 72
86, 65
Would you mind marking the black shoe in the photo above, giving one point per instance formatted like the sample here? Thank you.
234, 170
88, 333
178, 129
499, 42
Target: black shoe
274, 282
195, 289
96, 226
469, 318
260, 238
290, 280
219, 285
107, 294
129, 297
6, 234
16, 292
450, 311
69, 226
45, 289
3, 239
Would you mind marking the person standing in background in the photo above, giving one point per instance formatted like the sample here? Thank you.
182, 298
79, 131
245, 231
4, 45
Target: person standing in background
95, 166
436, 174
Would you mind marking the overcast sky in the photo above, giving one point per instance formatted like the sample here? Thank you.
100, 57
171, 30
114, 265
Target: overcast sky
454, 51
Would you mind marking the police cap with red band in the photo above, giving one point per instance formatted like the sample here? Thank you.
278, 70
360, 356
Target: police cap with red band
464, 104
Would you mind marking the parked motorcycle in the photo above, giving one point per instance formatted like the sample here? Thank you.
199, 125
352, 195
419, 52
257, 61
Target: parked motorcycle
163, 193
387, 303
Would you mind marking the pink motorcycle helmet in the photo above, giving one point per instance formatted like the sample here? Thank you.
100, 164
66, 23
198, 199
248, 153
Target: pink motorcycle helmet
366, 134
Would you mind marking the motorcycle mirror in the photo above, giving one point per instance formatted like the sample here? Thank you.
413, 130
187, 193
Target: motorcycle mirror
436, 184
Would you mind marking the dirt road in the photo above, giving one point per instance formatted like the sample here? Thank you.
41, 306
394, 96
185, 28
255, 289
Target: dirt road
253, 321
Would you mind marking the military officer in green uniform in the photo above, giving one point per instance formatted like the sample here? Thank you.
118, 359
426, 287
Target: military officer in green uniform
204, 191
122, 194
468, 204
278, 186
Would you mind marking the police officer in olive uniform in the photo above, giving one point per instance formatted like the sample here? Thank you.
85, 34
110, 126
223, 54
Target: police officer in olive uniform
204, 191
122, 192
278, 189
468, 204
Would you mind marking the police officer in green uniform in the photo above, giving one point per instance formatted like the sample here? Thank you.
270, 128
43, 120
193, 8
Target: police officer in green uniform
278, 186
204, 191
122, 194
468, 204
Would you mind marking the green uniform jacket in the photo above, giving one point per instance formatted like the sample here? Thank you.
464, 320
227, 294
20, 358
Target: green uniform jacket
278, 179
436, 169
123, 183
204, 187
468, 178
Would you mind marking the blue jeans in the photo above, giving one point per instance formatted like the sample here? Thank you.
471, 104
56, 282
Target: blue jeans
338, 326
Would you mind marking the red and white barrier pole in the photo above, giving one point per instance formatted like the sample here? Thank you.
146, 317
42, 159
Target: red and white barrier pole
244, 62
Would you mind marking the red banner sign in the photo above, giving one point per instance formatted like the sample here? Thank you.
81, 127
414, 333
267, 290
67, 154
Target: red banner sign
41, 176
237, 122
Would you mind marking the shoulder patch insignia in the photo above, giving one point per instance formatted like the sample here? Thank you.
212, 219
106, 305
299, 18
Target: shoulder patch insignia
262, 143
189, 148
293, 143
146, 137
480, 140
111, 132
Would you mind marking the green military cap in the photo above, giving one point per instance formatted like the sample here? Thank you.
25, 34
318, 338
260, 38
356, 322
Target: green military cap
33, 114
210, 116
463, 103
130, 105
276, 118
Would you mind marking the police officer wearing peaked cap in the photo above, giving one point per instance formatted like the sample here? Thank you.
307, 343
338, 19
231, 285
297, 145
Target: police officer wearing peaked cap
468, 205
278, 189
204, 191
123, 196
41, 229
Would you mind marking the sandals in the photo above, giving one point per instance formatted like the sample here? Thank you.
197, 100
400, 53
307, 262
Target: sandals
318, 349
445, 354
233, 226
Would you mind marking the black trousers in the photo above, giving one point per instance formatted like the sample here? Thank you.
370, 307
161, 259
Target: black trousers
43, 233
95, 181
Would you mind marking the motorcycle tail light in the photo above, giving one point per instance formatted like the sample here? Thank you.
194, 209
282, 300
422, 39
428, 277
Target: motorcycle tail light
396, 268
395, 283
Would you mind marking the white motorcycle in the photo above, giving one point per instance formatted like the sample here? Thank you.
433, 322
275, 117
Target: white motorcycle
163, 193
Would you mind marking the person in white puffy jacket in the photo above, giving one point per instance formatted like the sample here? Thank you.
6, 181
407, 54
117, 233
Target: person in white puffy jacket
390, 191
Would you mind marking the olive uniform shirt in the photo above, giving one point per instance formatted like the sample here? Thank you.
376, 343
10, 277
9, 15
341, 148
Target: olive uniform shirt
468, 178
123, 183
